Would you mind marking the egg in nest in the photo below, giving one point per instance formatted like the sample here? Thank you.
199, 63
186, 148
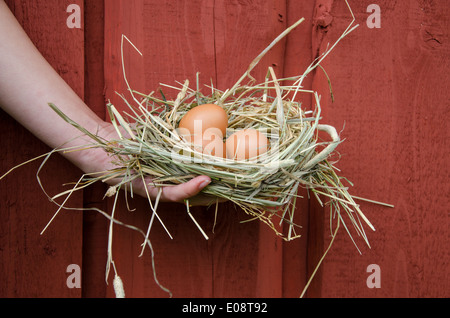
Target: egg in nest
205, 126
246, 144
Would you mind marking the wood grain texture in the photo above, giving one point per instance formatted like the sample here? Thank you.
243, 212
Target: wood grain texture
161, 62
390, 92
95, 228
34, 265
390, 105
297, 57
242, 30
248, 261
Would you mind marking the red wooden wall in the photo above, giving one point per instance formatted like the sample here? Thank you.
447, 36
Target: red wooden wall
389, 86
391, 94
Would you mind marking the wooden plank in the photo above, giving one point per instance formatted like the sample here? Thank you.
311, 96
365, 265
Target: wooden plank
34, 265
123, 18
95, 229
297, 58
243, 30
247, 257
171, 52
390, 88
317, 219
179, 43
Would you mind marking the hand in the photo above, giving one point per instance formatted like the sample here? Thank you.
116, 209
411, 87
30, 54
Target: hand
96, 160
179, 193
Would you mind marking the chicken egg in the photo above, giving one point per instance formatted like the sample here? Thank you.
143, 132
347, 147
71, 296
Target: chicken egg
204, 126
212, 144
204, 117
246, 144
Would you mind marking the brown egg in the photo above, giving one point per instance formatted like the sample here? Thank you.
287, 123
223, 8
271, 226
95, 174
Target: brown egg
246, 144
211, 144
204, 117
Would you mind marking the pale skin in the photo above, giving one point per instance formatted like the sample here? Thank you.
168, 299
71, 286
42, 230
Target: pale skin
23, 69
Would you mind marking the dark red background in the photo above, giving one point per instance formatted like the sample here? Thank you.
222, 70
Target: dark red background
391, 96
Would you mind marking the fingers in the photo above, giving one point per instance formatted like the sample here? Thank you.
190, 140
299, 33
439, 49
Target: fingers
179, 192
185, 190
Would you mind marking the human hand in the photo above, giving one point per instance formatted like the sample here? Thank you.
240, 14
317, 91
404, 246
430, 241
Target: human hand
189, 190
96, 159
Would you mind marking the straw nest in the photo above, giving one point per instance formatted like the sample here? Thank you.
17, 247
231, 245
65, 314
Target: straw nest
265, 188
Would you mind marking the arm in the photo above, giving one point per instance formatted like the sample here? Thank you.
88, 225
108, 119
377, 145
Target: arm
23, 69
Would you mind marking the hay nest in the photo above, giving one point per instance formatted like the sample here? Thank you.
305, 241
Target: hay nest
265, 188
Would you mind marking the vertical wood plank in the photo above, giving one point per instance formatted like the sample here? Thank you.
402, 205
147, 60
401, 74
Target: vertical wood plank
172, 51
123, 18
94, 225
390, 90
296, 59
317, 219
179, 43
32, 265
242, 30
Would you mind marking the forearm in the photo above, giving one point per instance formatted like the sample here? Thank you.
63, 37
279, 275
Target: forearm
28, 83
